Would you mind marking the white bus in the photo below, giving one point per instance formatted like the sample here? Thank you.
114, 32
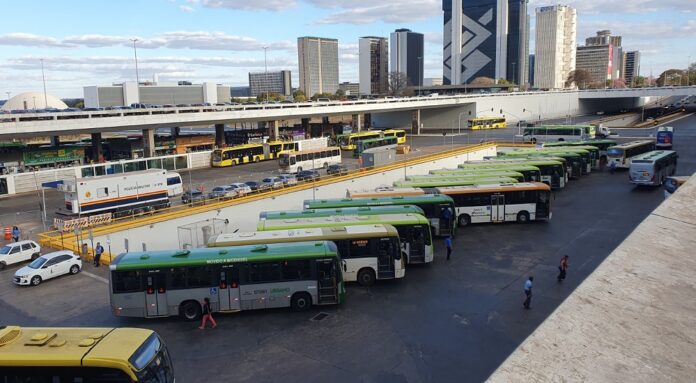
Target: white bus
621, 154
536, 134
652, 168
368, 252
294, 162
520, 202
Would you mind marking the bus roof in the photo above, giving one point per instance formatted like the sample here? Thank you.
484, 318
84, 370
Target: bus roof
376, 201
303, 234
477, 172
361, 134
580, 143
653, 156
385, 191
492, 188
665, 129
353, 210
563, 127
627, 145
455, 181
313, 150
486, 118
71, 347
242, 146
205, 256
544, 154
376, 139
513, 166
344, 220
494, 163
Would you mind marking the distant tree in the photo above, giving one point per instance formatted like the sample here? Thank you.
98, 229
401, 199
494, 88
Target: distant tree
270, 97
691, 74
80, 105
397, 84
482, 81
619, 83
299, 96
639, 81
580, 77
672, 77
502, 81
340, 94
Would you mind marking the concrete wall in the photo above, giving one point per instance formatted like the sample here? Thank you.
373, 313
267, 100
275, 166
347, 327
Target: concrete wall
164, 235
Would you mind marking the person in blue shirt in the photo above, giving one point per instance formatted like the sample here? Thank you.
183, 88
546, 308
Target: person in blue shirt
528, 292
16, 233
448, 244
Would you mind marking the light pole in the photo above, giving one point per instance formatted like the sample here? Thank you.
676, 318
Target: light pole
265, 69
34, 97
8, 95
43, 77
135, 53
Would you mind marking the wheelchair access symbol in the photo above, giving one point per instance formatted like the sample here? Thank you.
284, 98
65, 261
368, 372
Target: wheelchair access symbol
213, 291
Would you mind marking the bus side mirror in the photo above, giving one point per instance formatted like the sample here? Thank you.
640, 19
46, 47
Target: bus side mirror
345, 267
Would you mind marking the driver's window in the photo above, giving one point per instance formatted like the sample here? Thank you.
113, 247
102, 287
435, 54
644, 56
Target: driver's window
14, 250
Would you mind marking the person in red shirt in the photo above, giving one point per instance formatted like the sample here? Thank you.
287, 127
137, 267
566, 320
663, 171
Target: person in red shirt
562, 268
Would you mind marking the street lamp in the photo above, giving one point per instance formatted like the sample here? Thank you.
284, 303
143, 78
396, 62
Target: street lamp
135, 53
8, 95
265, 70
43, 77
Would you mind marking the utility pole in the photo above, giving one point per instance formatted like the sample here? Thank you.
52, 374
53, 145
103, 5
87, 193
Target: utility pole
135, 53
43, 77
265, 71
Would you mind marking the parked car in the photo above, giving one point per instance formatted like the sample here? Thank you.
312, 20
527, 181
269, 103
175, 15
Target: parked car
256, 186
19, 252
272, 182
337, 169
308, 175
288, 179
48, 266
192, 196
223, 192
241, 188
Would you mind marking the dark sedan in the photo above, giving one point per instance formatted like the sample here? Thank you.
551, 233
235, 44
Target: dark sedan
192, 197
308, 175
337, 169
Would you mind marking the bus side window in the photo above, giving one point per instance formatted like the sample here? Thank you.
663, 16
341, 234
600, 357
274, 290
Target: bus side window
127, 281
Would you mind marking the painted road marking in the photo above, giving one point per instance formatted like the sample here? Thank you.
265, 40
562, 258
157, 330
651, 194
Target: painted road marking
94, 276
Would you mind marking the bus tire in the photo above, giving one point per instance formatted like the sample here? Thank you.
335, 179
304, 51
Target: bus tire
299, 169
300, 302
464, 220
561, 139
326, 165
366, 277
533, 140
190, 310
523, 217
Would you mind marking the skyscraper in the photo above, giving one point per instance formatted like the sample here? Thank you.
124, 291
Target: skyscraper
486, 38
554, 57
270, 82
602, 56
318, 64
374, 61
631, 67
406, 55
604, 38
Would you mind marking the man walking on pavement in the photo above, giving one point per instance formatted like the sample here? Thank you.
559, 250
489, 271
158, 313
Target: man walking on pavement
98, 253
528, 292
448, 244
562, 268
16, 233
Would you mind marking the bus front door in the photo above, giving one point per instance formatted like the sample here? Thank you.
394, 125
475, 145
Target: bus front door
156, 295
327, 281
497, 208
385, 259
229, 289
445, 224
416, 252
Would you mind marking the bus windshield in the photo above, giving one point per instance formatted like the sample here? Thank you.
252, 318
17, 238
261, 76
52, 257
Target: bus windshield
152, 362
285, 159
615, 152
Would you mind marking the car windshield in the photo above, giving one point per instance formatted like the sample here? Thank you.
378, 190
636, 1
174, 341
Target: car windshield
37, 263
5, 250
217, 189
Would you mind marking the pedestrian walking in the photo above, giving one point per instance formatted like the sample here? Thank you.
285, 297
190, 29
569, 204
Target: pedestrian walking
207, 314
446, 216
612, 167
448, 244
16, 233
98, 251
562, 268
528, 292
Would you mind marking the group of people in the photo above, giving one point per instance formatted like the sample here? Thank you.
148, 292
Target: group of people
562, 270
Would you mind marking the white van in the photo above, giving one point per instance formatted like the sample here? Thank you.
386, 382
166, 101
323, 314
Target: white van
174, 185
18, 252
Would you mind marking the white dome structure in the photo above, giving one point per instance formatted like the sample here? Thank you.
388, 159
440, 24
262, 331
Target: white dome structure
33, 100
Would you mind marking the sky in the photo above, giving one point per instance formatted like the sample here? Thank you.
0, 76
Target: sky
88, 42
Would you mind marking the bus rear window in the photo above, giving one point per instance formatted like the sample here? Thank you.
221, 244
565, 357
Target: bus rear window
616, 152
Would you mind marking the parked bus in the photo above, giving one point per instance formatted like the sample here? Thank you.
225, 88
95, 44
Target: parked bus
174, 282
598, 155
368, 252
434, 206
653, 168
83, 354
498, 173
349, 141
373, 144
400, 135
455, 181
487, 123
530, 173
519, 202
358, 210
552, 172
414, 231
621, 154
554, 133
575, 163
236, 155
293, 162
384, 191
665, 137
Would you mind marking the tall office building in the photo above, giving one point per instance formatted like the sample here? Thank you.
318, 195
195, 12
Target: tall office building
604, 38
373, 68
270, 82
318, 63
406, 55
602, 56
488, 38
631, 67
554, 56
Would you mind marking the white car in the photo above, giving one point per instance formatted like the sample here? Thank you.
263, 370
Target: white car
48, 266
273, 182
241, 188
18, 252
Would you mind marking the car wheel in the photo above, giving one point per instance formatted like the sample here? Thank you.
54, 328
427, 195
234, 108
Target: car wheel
35, 280
300, 302
534, 141
74, 269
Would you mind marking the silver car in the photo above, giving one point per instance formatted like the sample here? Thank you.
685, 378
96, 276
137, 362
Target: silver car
241, 188
223, 192
273, 182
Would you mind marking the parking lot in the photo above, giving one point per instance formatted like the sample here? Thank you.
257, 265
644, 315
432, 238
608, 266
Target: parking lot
447, 321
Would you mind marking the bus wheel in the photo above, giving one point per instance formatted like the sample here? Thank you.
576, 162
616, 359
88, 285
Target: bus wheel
190, 310
366, 277
464, 220
299, 169
561, 139
533, 140
523, 217
300, 302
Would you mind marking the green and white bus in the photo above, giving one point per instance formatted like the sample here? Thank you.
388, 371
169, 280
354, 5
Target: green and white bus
601, 144
575, 165
174, 282
552, 172
368, 252
621, 154
386, 142
499, 173
414, 230
434, 206
521, 202
358, 210
536, 134
454, 181
530, 173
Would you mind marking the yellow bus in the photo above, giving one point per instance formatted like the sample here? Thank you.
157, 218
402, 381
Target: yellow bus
487, 123
400, 135
239, 154
88, 355
348, 141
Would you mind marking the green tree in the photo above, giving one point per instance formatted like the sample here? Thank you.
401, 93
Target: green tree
581, 78
502, 81
672, 77
482, 80
299, 96
340, 94
397, 84
639, 82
